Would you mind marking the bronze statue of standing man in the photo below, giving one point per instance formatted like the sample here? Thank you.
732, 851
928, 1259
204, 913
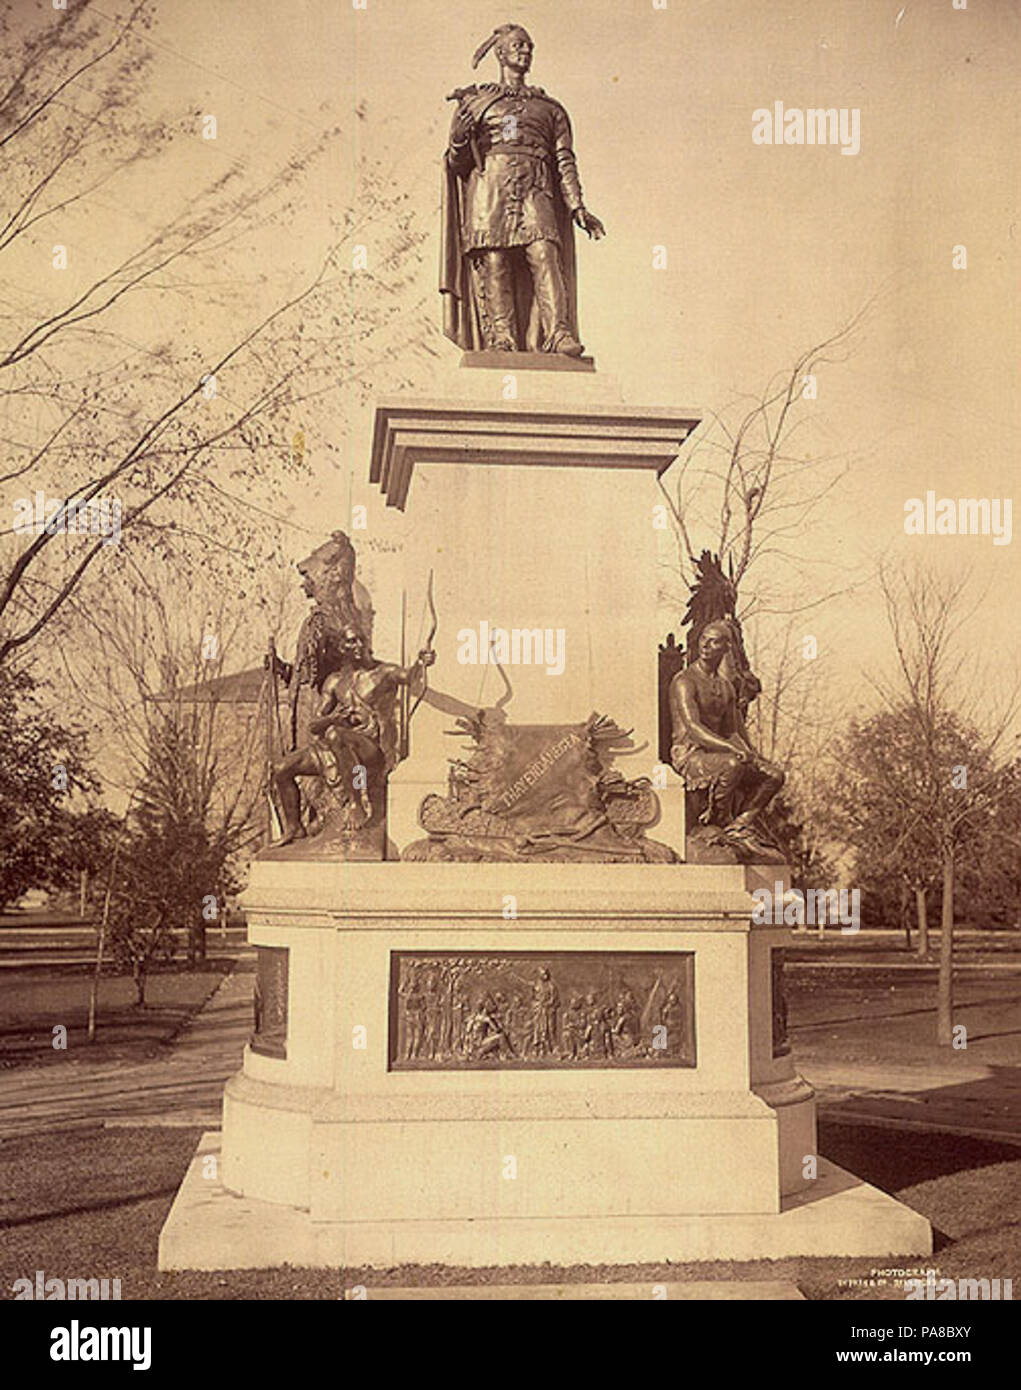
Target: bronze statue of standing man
512, 198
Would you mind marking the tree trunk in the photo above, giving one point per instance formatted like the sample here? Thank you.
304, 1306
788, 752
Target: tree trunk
905, 914
923, 922
945, 995
138, 971
196, 944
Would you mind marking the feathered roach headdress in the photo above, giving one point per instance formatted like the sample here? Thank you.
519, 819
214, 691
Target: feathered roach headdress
498, 33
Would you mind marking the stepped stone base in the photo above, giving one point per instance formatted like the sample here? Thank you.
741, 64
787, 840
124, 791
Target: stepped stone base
208, 1228
350, 1138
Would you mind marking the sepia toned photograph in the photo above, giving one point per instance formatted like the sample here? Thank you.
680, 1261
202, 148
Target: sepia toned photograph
510, 671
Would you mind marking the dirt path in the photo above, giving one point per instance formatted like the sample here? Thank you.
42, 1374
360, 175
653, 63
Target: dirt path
184, 1087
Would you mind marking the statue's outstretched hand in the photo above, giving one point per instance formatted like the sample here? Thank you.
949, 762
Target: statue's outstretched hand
590, 223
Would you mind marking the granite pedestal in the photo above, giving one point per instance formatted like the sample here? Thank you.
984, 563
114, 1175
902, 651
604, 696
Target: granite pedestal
337, 1153
540, 513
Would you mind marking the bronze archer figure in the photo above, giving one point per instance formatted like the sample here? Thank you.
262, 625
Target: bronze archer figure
354, 737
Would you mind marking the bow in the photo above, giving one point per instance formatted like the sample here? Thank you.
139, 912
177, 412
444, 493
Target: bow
428, 647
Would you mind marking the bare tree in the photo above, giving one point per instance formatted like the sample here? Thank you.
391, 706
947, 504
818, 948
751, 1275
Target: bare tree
739, 488
945, 699
792, 727
191, 437
873, 804
150, 672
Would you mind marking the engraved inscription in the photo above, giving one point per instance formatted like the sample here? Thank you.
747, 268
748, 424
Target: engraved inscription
270, 1002
529, 1009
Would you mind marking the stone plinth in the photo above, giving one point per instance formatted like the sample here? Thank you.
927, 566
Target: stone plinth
533, 516
410, 433
357, 1153
527, 362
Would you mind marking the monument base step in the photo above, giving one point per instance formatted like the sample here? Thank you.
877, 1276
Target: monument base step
527, 361
210, 1228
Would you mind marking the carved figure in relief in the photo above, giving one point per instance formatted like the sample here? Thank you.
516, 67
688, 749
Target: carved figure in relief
545, 1004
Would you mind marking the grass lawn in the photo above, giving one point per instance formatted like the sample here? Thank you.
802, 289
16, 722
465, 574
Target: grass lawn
90, 1202
884, 1015
33, 1001
123, 1182
971, 945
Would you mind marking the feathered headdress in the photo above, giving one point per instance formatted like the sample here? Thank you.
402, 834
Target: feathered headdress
494, 38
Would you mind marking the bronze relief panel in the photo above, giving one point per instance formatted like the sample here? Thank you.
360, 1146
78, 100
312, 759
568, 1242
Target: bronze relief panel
269, 1036
452, 1010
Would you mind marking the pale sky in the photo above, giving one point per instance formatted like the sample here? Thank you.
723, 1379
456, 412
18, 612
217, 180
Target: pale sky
769, 249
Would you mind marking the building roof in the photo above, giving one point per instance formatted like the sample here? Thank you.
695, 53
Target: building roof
241, 688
